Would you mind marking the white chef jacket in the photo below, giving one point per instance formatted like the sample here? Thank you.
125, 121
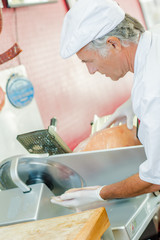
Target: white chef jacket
146, 102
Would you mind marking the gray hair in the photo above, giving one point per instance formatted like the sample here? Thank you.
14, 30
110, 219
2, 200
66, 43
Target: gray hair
129, 30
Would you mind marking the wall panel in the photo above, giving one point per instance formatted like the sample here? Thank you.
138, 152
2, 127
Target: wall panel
63, 88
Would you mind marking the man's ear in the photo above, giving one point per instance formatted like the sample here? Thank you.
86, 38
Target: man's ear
114, 42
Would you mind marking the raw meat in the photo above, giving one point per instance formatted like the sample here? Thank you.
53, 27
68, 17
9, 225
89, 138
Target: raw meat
10, 53
114, 137
2, 98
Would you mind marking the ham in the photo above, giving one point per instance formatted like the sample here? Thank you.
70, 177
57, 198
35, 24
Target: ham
0, 20
115, 137
11, 52
2, 98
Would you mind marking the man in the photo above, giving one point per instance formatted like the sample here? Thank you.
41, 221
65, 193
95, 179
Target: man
111, 42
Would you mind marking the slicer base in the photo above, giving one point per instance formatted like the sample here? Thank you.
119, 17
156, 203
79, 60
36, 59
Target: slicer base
16, 206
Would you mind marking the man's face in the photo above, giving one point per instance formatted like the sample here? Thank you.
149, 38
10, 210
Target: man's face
113, 65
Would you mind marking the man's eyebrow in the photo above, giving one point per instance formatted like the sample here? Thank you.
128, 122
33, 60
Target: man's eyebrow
85, 61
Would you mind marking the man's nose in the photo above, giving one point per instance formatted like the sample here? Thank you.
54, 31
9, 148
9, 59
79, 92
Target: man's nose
91, 69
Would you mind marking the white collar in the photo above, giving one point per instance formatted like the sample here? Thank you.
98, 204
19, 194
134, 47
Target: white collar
142, 52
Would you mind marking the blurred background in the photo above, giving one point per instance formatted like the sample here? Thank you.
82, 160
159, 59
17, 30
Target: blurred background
63, 88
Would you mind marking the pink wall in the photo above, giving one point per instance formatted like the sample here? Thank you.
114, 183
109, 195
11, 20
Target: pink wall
63, 88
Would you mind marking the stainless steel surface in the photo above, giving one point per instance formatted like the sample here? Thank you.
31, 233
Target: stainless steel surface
104, 166
27, 184
31, 170
108, 235
15, 177
128, 217
16, 206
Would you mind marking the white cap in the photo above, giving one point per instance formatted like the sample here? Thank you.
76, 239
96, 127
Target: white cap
86, 21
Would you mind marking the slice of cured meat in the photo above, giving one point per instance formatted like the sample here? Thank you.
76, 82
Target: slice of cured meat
10, 53
115, 137
2, 98
1, 20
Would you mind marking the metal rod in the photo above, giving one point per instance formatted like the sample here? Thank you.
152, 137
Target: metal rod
14, 175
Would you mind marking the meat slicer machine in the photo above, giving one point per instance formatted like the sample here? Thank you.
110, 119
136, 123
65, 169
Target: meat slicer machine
28, 182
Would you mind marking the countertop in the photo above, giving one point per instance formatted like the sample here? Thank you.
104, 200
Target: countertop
87, 225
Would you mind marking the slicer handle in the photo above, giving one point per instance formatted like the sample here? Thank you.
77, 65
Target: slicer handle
53, 123
14, 175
